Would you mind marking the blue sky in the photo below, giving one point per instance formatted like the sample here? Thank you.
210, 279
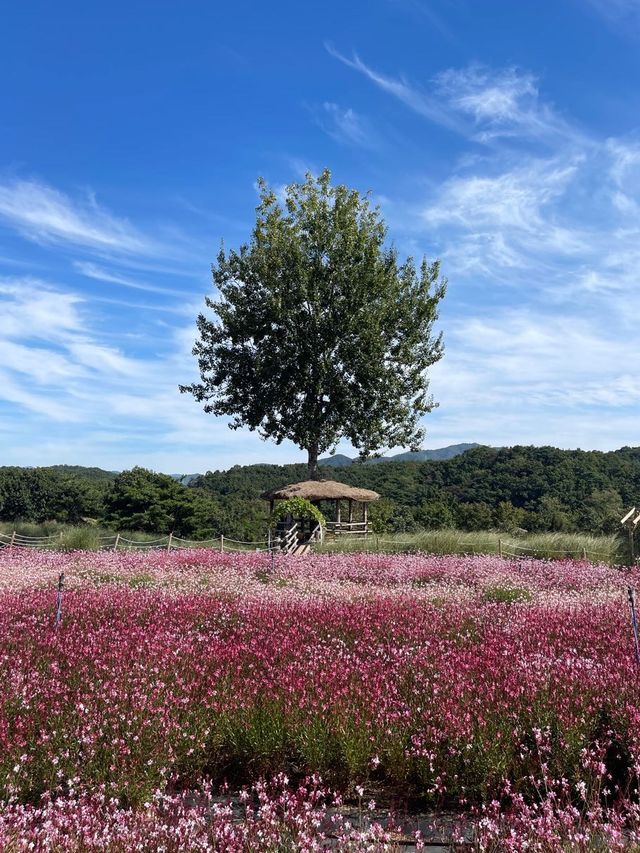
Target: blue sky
502, 137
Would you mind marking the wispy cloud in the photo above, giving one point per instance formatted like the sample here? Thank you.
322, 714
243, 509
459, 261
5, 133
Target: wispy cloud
423, 103
536, 378
98, 273
499, 224
345, 125
31, 308
622, 15
502, 103
42, 213
61, 376
478, 102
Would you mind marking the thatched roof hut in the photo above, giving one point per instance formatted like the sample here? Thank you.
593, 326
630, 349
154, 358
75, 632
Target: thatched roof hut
329, 490
321, 490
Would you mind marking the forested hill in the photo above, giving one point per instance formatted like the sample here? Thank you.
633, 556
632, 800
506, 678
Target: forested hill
81, 471
536, 488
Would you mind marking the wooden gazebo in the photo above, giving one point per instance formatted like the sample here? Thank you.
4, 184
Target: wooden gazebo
321, 491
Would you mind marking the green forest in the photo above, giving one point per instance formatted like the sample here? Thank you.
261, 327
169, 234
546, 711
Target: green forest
537, 489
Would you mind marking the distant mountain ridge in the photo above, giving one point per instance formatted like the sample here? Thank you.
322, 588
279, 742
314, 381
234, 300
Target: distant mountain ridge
409, 456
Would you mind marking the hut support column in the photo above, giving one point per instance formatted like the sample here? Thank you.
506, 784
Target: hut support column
350, 512
337, 512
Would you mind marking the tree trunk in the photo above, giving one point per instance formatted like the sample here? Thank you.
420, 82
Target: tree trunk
312, 464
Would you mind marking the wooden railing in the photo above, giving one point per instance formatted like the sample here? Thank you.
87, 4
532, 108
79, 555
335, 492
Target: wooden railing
317, 535
348, 528
289, 540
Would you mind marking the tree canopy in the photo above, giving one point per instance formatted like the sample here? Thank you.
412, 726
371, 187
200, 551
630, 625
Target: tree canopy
320, 332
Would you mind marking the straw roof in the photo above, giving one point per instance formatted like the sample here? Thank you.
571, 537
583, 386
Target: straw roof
321, 490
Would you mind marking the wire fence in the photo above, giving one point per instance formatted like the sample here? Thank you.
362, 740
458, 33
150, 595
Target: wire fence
226, 544
118, 542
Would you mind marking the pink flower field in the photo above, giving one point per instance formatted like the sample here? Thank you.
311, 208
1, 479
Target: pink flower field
507, 690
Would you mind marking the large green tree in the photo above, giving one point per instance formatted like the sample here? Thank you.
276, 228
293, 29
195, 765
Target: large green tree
320, 332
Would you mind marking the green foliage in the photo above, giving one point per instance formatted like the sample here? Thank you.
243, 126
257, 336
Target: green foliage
156, 503
321, 334
541, 489
506, 594
42, 494
509, 517
435, 515
475, 516
387, 516
297, 508
603, 510
145, 501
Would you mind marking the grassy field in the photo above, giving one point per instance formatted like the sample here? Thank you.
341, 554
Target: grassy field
607, 549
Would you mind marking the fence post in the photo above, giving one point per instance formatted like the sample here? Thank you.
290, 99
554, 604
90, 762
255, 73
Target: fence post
115, 544
584, 553
59, 600
13, 539
500, 547
221, 544
169, 542
634, 622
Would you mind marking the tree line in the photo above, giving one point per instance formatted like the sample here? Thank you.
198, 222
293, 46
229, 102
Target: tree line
532, 488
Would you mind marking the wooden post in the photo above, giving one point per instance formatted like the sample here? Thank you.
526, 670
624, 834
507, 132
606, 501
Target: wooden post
271, 506
366, 519
338, 511
500, 547
115, 544
169, 542
350, 511
221, 544
59, 599
584, 553
13, 539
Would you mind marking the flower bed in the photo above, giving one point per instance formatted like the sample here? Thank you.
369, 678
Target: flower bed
457, 681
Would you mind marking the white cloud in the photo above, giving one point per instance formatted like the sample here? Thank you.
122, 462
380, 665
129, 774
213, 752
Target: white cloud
31, 308
346, 126
497, 224
478, 102
59, 371
417, 100
94, 271
502, 103
45, 214
525, 376
515, 198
